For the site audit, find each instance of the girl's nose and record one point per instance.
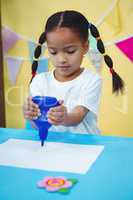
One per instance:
(61, 58)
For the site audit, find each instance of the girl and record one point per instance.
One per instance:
(79, 90)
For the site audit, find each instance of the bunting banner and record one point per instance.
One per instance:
(96, 58)
(92, 42)
(42, 65)
(108, 12)
(94, 55)
(31, 47)
(13, 66)
(9, 38)
(114, 19)
(126, 46)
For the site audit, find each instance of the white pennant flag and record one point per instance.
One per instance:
(13, 66)
(96, 58)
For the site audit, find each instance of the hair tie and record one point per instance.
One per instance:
(98, 38)
(104, 54)
(111, 70)
(35, 59)
(33, 74)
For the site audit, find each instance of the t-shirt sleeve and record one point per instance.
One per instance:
(36, 86)
(90, 94)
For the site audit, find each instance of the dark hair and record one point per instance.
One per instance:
(80, 25)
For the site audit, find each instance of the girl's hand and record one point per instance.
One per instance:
(57, 115)
(30, 109)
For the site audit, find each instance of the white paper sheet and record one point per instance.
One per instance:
(53, 156)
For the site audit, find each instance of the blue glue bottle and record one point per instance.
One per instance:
(44, 103)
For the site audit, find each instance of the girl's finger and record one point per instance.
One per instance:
(55, 118)
(32, 113)
(29, 98)
(61, 102)
(56, 114)
(31, 103)
(60, 108)
(53, 122)
(32, 108)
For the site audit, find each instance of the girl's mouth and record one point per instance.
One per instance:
(63, 67)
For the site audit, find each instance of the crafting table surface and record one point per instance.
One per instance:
(110, 177)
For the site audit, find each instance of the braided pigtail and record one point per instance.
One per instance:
(37, 54)
(118, 84)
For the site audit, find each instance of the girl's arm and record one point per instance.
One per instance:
(60, 116)
(76, 116)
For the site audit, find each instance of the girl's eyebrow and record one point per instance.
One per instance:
(70, 46)
(66, 47)
(52, 48)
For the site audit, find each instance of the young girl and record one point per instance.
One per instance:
(78, 89)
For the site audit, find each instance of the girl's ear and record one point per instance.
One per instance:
(86, 47)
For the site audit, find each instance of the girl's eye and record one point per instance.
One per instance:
(53, 53)
(71, 52)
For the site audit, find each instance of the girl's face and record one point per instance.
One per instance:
(66, 51)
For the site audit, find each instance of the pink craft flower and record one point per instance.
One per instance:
(53, 184)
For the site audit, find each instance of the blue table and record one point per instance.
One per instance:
(110, 178)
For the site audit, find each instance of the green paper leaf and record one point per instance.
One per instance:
(64, 190)
(73, 180)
